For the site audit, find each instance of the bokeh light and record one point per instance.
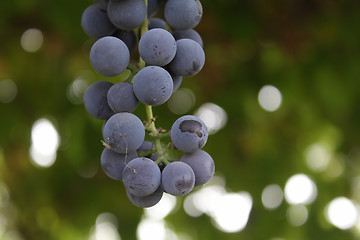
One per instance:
(269, 98)
(297, 215)
(181, 101)
(162, 208)
(105, 228)
(76, 90)
(232, 211)
(8, 90)
(213, 116)
(45, 141)
(300, 189)
(272, 196)
(32, 40)
(342, 213)
(317, 157)
(229, 211)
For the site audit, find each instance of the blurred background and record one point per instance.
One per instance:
(279, 92)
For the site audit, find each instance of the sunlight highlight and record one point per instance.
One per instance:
(181, 101)
(213, 116)
(32, 40)
(300, 189)
(297, 215)
(45, 141)
(269, 98)
(76, 90)
(105, 228)
(272, 196)
(162, 208)
(229, 211)
(342, 213)
(317, 157)
(8, 91)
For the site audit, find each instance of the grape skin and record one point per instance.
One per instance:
(121, 97)
(113, 163)
(189, 133)
(128, 37)
(95, 100)
(156, 23)
(189, 58)
(109, 56)
(153, 85)
(95, 21)
(124, 132)
(178, 178)
(127, 14)
(183, 14)
(141, 177)
(202, 164)
(190, 34)
(157, 47)
(147, 201)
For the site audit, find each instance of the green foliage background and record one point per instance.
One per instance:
(308, 49)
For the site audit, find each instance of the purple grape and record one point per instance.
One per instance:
(109, 56)
(202, 164)
(127, 14)
(95, 100)
(124, 132)
(188, 33)
(147, 201)
(95, 21)
(178, 178)
(141, 177)
(189, 133)
(153, 85)
(121, 97)
(189, 58)
(157, 47)
(183, 14)
(113, 163)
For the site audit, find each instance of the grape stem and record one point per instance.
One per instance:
(149, 114)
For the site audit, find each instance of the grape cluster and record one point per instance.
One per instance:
(168, 51)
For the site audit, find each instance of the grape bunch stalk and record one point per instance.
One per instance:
(168, 51)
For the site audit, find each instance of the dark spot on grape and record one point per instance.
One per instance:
(191, 126)
(196, 66)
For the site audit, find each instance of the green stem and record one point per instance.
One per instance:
(149, 114)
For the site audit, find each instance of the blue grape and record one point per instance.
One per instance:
(113, 163)
(121, 97)
(183, 14)
(109, 56)
(189, 58)
(153, 85)
(202, 164)
(189, 133)
(188, 33)
(156, 23)
(177, 80)
(95, 21)
(124, 132)
(152, 8)
(127, 14)
(147, 201)
(95, 100)
(178, 178)
(141, 177)
(157, 47)
(128, 37)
